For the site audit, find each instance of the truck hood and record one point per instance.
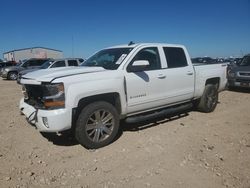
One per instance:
(241, 68)
(28, 71)
(48, 75)
(12, 68)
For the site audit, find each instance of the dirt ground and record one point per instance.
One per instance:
(196, 150)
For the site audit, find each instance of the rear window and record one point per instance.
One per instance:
(175, 57)
(72, 63)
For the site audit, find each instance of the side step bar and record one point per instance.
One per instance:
(159, 113)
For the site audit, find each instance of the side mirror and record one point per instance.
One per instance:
(138, 66)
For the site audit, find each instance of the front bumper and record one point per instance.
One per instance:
(47, 120)
(239, 83)
(4, 74)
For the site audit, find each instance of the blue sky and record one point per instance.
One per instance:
(79, 28)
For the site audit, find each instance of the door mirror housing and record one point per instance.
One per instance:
(138, 66)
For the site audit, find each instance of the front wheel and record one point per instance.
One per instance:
(209, 99)
(12, 76)
(97, 125)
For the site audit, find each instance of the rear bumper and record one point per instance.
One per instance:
(47, 120)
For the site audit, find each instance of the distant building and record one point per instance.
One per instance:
(35, 52)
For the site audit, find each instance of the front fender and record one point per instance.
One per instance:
(78, 91)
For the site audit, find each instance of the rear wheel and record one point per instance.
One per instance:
(209, 99)
(97, 125)
(12, 76)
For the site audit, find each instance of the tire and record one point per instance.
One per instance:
(97, 125)
(209, 99)
(12, 76)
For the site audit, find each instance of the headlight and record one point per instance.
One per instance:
(53, 96)
(230, 73)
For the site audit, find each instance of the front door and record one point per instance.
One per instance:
(145, 88)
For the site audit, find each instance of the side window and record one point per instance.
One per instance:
(30, 63)
(175, 57)
(33, 63)
(58, 64)
(72, 63)
(36, 62)
(81, 60)
(151, 55)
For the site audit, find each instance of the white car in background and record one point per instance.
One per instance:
(53, 63)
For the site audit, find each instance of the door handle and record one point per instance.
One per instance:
(190, 73)
(161, 76)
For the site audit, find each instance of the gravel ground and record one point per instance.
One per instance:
(196, 150)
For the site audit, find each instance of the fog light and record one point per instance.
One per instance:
(45, 122)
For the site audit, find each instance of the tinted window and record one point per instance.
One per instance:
(58, 64)
(35, 62)
(175, 57)
(41, 61)
(72, 63)
(81, 60)
(151, 55)
(9, 64)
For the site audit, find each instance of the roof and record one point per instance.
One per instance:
(145, 44)
(32, 48)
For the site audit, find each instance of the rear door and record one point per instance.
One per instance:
(179, 82)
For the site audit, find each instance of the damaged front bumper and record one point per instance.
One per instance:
(46, 120)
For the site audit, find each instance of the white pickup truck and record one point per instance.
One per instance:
(131, 82)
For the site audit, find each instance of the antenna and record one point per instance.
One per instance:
(131, 43)
(72, 41)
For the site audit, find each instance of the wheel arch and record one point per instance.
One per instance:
(214, 81)
(12, 71)
(112, 98)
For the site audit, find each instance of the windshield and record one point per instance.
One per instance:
(245, 61)
(46, 64)
(109, 58)
(19, 64)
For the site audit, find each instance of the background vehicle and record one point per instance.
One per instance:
(11, 72)
(133, 82)
(52, 64)
(238, 75)
(207, 60)
(6, 64)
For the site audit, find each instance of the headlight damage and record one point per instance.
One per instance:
(45, 96)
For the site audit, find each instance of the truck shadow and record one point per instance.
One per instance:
(147, 124)
(67, 138)
(63, 139)
(139, 126)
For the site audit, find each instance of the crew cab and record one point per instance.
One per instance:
(131, 82)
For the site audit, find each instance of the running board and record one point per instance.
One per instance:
(159, 113)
